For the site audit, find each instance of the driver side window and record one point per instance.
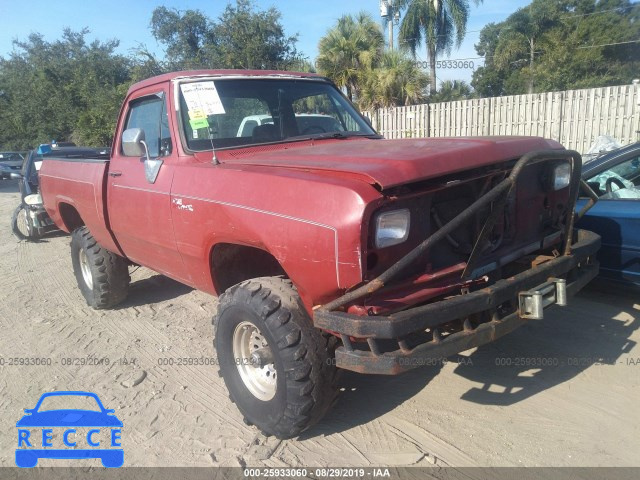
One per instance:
(150, 115)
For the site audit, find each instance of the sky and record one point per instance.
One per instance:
(128, 22)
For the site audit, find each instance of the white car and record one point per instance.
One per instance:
(308, 123)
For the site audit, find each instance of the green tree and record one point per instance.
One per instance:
(187, 36)
(243, 37)
(487, 80)
(250, 39)
(440, 24)
(349, 49)
(302, 65)
(452, 90)
(558, 45)
(395, 81)
(72, 89)
(146, 64)
(65, 90)
(518, 43)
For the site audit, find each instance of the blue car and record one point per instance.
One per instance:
(615, 178)
(35, 434)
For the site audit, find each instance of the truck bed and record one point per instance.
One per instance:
(78, 184)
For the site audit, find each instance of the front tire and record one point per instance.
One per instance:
(295, 384)
(103, 276)
(20, 224)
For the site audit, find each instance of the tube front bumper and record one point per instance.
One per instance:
(578, 268)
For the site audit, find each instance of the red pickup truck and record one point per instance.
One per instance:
(330, 247)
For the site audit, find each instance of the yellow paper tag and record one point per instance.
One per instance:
(196, 114)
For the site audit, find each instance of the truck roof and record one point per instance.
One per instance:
(167, 77)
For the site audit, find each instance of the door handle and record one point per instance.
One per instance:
(115, 174)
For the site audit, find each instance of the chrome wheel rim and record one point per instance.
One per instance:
(261, 381)
(85, 269)
(23, 222)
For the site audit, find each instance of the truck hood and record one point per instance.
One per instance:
(388, 163)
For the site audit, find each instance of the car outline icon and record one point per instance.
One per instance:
(69, 418)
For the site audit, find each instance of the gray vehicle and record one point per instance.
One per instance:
(10, 162)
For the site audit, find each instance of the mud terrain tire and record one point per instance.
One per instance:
(103, 276)
(302, 372)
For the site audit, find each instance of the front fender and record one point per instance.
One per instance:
(311, 225)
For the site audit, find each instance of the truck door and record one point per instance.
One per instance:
(139, 206)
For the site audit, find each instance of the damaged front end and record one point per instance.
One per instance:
(494, 250)
(39, 221)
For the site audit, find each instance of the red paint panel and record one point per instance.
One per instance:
(140, 210)
(167, 77)
(79, 185)
(311, 225)
(390, 163)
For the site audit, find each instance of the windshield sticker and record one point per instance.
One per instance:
(197, 123)
(202, 97)
(198, 119)
(198, 113)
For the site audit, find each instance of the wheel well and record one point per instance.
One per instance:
(70, 217)
(232, 264)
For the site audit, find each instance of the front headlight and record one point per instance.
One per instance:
(561, 176)
(33, 199)
(392, 227)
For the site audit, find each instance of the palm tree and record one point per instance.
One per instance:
(348, 49)
(439, 23)
(451, 91)
(395, 81)
(520, 41)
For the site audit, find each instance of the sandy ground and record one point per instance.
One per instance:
(560, 392)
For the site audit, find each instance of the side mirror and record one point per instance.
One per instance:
(133, 144)
(15, 176)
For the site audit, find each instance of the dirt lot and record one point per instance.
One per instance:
(561, 392)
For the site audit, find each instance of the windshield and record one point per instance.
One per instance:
(231, 113)
(10, 157)
(619, 181)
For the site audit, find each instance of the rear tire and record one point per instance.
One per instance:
(300, 384)
(103, 276)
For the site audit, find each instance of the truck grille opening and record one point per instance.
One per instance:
(457, 246)
(530, 213)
